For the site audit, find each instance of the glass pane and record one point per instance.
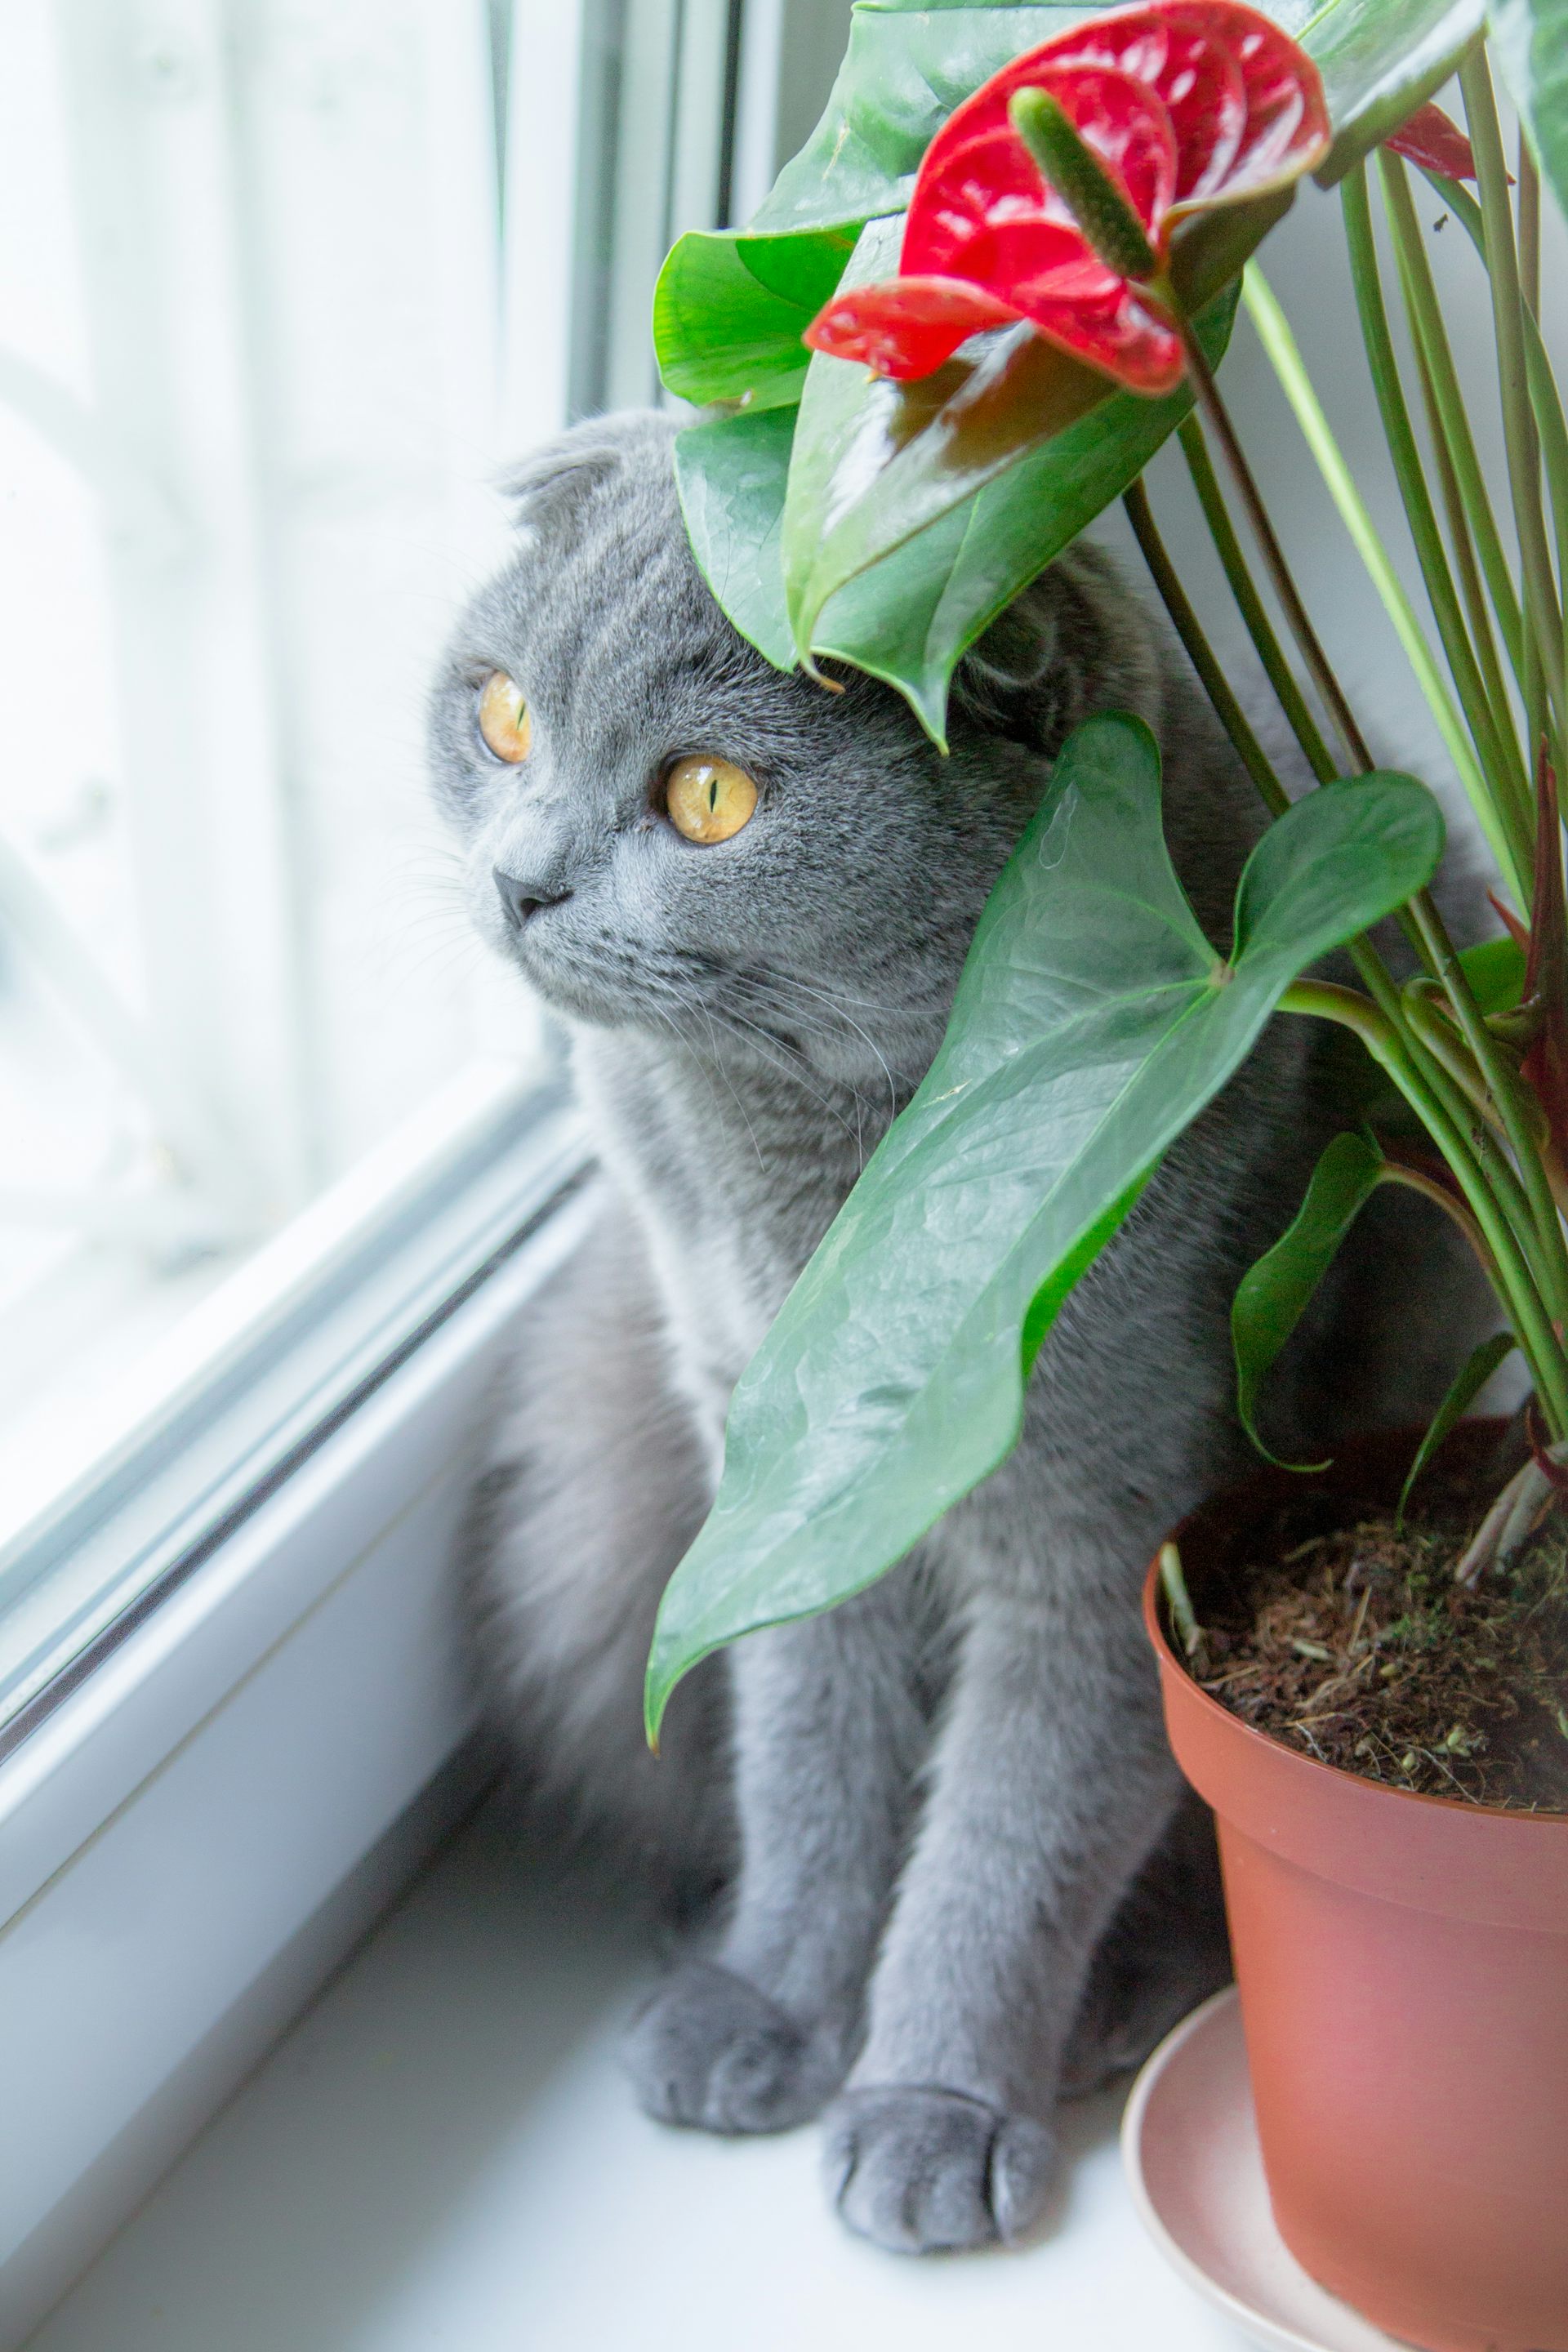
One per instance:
(251, 321)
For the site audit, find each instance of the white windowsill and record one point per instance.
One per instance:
(444, 2154)
(191, 1840)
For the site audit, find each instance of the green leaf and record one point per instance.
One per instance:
(910, 618)
(729, 478)
(729, 313)
(1272, 1295)
(1091, 1025)
(875, 462)
(1471, 1381)
(1381, 59)
(731, 309)
(1529, 41)
(1495, 970)
(903, 73)
(907, 67)
(731, 306)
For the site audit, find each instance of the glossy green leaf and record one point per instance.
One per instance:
(729, 313)
(1495, 970)
(1471, 1381)
(1530, 42)
(937, 591)
(911, 617)
(719, 337)
(903, 73)
(874, 462)
(731, 479)
(1381, 59)
(1092, 1023)
(1272, 1295)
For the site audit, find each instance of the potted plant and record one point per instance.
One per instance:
(1004, 271)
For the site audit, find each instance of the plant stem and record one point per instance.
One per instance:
(1200, 653)
(1529, 1204)
(1178, 1600)
(1424, 1011)
(1543, 616)
(1529, 179)
(1513, 1211)
(1510, 1269)
(1218, 417)
(1546, 402)
(1445, 456)
(1249, 603)
(1432, 338)
(1227, 708)
(1281, 345)
(1498, 755)
(1529, 1191)
(1399, 1171)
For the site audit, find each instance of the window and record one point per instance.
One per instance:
(280, 288)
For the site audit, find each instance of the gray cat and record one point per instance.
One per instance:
(958, 1876)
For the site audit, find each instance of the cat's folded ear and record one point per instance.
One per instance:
(552, 485)
(546, 488)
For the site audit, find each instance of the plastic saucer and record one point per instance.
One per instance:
(1189, 2141)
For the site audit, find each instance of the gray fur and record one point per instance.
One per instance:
(961, 1876)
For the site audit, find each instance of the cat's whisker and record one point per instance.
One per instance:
(792, 1067)
(783, 980)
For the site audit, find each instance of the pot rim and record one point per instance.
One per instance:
(1232, 1725)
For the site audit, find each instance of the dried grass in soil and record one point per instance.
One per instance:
(1357, 1647)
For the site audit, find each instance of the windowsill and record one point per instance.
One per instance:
(87, 1512)
(444, 2152)
(193, 1835)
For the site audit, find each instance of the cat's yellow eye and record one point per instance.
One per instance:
(503, 718)
(708, 798)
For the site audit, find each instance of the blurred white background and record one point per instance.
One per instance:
(249, 407)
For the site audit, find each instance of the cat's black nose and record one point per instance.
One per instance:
(518, 901)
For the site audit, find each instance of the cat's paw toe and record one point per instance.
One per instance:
(712, 2051)
(922, 2171)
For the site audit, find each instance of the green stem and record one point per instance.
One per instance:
(1249, 603)
(1490, 1184)
(1528, 1205)
(1273, 554)
(1542, 612)
(1529, 180)
(1396, 1171)
(1432, 337)
(1479, 617)
(1281, 348)
(1507, 781)
(1545, 400)
(1465, 563)
(1516, 1287)
(1200, 653)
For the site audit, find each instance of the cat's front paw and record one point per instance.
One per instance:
(925, 2171)
(712, 2051)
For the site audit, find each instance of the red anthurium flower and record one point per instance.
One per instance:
(1429, 139)
(1185, 105)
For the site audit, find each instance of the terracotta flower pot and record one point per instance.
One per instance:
(1402, 1966)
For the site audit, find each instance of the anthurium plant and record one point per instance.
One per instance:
(1003, 272)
